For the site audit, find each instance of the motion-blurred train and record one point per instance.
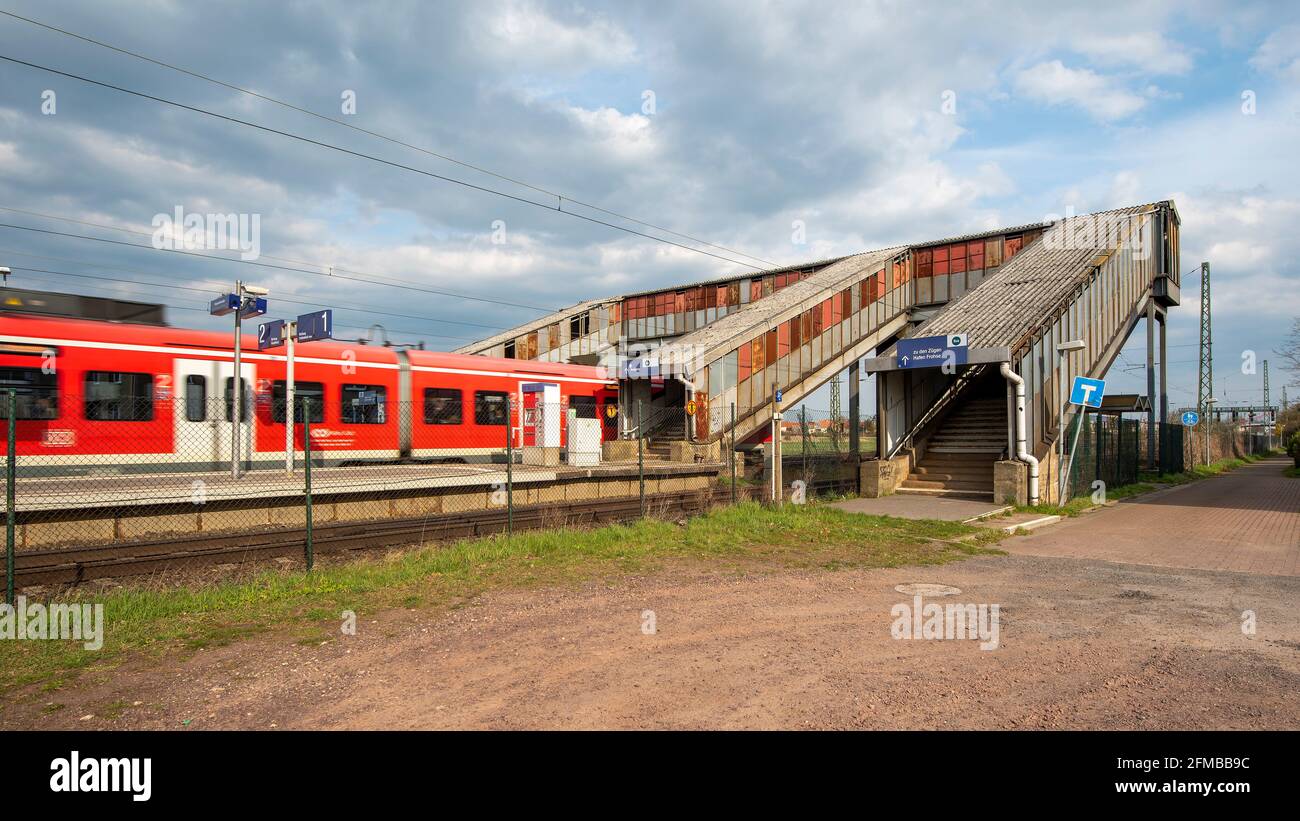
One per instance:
(119, 396)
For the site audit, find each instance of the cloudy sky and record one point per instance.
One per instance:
(873, 124)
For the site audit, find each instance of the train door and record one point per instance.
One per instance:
(541, 414)
(204, 411)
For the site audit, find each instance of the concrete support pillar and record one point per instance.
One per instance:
(855, 420)
(881, 420)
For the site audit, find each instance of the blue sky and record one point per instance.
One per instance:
(764, 114)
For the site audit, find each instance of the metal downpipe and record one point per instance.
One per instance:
(1022, 452)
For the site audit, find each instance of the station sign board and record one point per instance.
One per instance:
(932, 351)
(224, 304)
(253, 306)
(315, 326)
(271, 334)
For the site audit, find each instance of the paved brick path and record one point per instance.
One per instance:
(1247, 520)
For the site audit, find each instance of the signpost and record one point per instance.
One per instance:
(1086, 393)
(306, 328)
(932, 351)
(1190, 418)
(245, 301)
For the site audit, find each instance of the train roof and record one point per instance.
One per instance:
(87, 330)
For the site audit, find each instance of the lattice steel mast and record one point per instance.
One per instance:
(1206, 388)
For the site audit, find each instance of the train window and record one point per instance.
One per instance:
(196, 398)
(245, 398)
(364, 404)
(490, 408)
(118, 397)
(584, 406)
(442, 406)
(313, 392)
(36, 392)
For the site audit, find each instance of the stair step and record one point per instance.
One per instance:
(948, 485)
(965, 449)
(976, 495)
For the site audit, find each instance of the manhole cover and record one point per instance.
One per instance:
(927, 589)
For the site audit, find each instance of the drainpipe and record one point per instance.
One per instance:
(1022, 454)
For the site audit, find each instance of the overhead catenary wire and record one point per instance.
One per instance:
(351, 306)
(383, 279)
(370, 157)
(209, 291)
(560, 198)
(325, 274)
(361, 327)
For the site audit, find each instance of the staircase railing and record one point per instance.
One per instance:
(945, 399)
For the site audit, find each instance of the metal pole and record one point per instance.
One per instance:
(306, 469)
(292, 330)
(1060, 427)
(640, 454)
(1074, 447)
(510, 474)
(10, 480)
(731, 455)
(776, 447)
(803, 436)
(236, 409)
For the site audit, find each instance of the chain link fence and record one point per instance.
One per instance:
(132, 475)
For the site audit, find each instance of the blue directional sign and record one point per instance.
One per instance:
(316, 325)
(1087, 392)
(778, 396)
(224, 304)
(253, 306)
(932, 351)
(271, 334)
(1191, 418)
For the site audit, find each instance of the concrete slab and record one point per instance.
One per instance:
(921, 507)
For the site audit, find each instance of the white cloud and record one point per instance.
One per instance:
(1056, 84)
(524, 33)
(1280, 53)
(1148, 51)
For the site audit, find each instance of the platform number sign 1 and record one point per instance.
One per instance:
(316, 325)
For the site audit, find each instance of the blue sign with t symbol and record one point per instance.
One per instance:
(1087, 392)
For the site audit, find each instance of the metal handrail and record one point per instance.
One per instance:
(946, 399)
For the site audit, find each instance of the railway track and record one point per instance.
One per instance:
(74, 565)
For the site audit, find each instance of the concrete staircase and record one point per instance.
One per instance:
(959, 456)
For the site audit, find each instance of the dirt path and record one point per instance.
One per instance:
(1083, 644)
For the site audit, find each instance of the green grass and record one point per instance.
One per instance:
(1293, 472)
(159, 624)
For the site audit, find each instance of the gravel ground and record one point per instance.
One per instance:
(1083, 644)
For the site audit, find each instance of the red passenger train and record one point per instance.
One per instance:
(94, 394)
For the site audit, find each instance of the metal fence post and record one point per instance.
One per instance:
(803, 438)
(306, 452)
(10, 478)
(510, 476)
(640, 454)
(731, 454)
